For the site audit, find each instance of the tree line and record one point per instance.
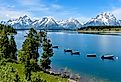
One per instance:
(101, 28)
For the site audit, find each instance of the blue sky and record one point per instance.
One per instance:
(83, 10)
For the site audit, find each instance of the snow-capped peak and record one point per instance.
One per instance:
(70, 23)
(21, 22)
(49, 20)
(25, 17)
(46, 22)
(103, 19)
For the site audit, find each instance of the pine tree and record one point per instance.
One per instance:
(28, 55)
(47, 53)
(30, 45)
(27, 69)
(13, 48)
(4, 45)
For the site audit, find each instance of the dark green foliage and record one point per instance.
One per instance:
(7, 54)
(7, 29)
(7, 47)
(36, 78)
(47, 53)
(8, 73)
(4, 46)
(43, 33)
(27, 70)
(13, 48)
(30, 46)
(28, 55)
(4, 61)
(47, 48)
(101, 28)
(17, 78)
(34, 65)
(45, 63)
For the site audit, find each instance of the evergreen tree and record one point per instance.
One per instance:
(30, 45)
(27, 69)
(47, 53)
(8, 29)
(7, 49)
(4, 45)
(28, 55)
(13, 48)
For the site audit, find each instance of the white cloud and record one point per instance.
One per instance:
(11, 6)
(28, 2)
(38, 5)
(37, 9)
(56, 6)
(7, 13)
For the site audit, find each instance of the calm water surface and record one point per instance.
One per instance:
(105, 70)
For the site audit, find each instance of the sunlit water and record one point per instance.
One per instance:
(104, 70)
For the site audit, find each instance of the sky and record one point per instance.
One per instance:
(82, 10)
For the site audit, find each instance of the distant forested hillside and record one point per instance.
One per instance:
(101, 28)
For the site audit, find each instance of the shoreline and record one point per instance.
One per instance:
(116, 33)
(77, 77)
(64, 73)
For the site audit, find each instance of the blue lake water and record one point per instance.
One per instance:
(93, 68)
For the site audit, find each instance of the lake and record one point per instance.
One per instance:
(94, 69)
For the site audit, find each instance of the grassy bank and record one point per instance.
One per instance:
(44, 76)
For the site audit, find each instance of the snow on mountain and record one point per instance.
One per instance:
(120, 22)
(70, 24)
(20, 23)
(104, 19)
(46, 23)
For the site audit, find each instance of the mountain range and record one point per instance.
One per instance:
(25, 22)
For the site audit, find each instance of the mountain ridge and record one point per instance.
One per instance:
(25, 22)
